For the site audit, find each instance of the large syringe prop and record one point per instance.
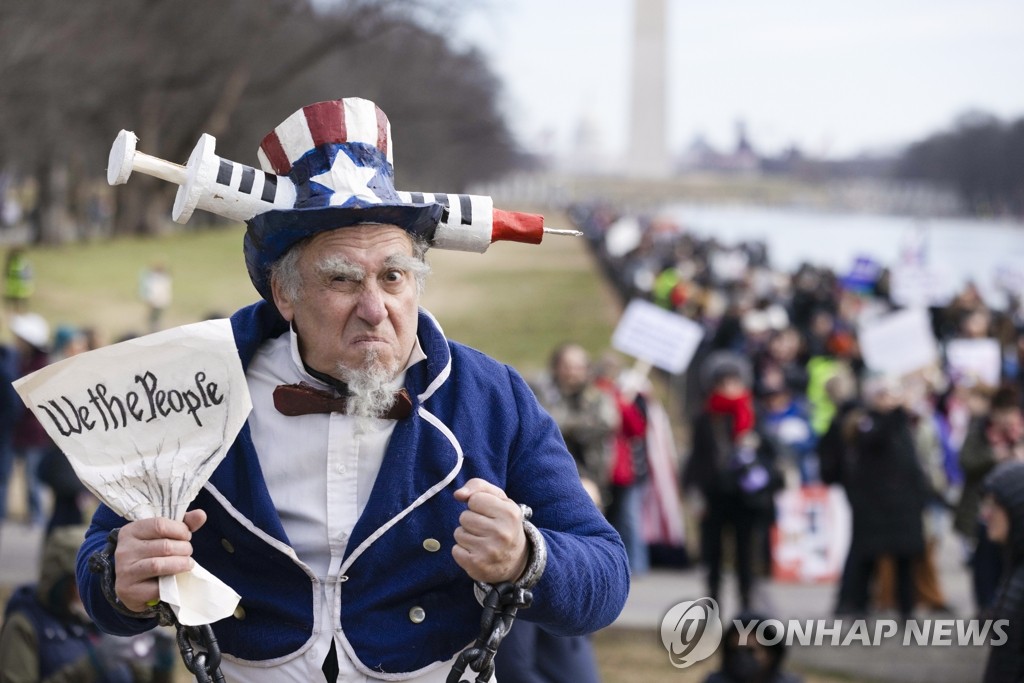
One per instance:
(239, 192)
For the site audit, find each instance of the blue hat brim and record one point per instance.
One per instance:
(270, 235)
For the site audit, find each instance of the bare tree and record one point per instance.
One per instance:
(72, 75)
(982, 158)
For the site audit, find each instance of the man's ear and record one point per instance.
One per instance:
(283, 303)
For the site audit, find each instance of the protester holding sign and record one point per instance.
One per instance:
(381, 471)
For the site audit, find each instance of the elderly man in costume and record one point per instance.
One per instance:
(382, 470)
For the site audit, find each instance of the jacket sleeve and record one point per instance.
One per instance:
(586, 581)
(976, 457)
(90, 585)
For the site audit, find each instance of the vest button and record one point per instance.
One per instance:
(226, 544)
(417, 615)
(239, 613)
(431, 545)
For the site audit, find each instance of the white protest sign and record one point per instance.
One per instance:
(974, 360)
(623, 236)
(1010, 278)
(144, 423)
(898, 343)
(729, 265)
(914, 285)
(664, 339)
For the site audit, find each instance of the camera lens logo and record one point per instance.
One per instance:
(691, 632)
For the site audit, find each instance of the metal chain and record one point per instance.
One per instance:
(500, 603)
(204, 664)
(500, 607)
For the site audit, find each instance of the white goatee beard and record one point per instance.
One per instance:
(369, 395)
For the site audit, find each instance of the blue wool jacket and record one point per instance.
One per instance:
(473, 417)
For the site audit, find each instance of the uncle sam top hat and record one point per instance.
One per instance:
(329, 165)
(339, 156)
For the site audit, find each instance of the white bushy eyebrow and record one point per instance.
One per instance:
(331, 267)
(407, 264)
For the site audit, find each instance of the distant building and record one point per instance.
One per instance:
(701, 156)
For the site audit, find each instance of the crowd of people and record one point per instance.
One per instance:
(779, 396)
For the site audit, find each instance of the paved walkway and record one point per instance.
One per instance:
(653, 594)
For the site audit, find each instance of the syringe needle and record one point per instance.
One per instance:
(563, 233)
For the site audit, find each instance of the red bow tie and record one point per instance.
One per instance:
(302, 399)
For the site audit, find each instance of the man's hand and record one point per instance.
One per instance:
(490, 543)
(148, 549)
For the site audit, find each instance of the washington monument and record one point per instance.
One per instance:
(647, 154)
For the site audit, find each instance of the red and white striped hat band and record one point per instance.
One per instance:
(352, 119)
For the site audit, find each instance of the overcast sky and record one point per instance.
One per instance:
(834, 76)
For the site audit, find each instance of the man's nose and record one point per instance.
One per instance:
(371, 306)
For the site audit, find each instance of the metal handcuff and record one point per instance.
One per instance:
(501, 602)
(204, 664)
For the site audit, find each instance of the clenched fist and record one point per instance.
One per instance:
(490, 543)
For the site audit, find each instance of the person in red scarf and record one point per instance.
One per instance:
(732, 468)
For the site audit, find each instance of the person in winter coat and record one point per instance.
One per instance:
(1003, 511)
(887, 492)
(586, 416)
(48, 638)
(734, 470)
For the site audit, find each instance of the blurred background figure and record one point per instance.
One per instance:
(1003, 512)
(586, 416)
(733, 469)
(629, 468)
(29, 440)
(928, 590)
(752, 662)
(48, 638)
(155, 290)
(993, 437)
(11, 408)
(887, 493)
(785, 420)
(19, 282)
